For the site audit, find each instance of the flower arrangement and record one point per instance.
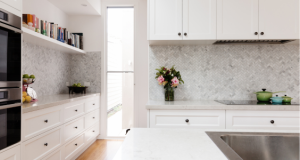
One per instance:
(169, 78)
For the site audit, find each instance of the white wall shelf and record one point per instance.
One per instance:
(39, 39)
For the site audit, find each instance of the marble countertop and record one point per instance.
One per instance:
(173, 144)
(54, 100)
(213, 105)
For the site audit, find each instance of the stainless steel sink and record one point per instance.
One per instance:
(257, 146)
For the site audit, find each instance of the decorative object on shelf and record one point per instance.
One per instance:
(170, 79)
(77, 88)
(29, 95)
(264, 95)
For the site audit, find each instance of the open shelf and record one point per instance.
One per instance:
(39, 39)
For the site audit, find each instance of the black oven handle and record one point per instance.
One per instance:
(11, 28)
(11, 106)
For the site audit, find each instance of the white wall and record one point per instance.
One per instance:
(45, 10)
(91, 27)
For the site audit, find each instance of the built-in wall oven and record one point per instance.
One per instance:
(10, 79)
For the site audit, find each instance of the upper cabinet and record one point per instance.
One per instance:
(17, 4)
(237, 19)
(257, 19)
(278, 19)
(165, 19)
(199, 19)
(182, 19)
(222, 20)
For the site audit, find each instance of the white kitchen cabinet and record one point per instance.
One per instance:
(165, 19)
(208, 119)
(199, 19)
(11, 154)
(237, 19)
(17, 4)
(278, 19)
(237, 119)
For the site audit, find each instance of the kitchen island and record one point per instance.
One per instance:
(174, 144)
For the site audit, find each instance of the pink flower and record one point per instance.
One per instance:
(160, 80)
(175, 82)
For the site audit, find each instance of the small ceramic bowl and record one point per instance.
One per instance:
(276, 99)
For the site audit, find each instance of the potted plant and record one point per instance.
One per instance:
(170, 79)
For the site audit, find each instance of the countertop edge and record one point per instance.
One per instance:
(56, 103)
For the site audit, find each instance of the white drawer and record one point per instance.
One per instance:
(91, 118)
(73, 128)
(187, 119)
(91, 133)
(236, 119)
(11, 154)
(43, 144)
(73, 111)
(35, 123)
(91, 104)
(54, 156)
(71, 148)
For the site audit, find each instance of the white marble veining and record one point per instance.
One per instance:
(173, 144)
(227, 72)
(54, 100)
(213, 105)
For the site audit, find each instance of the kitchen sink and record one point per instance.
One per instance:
(257, 146)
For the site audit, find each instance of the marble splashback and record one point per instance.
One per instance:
(53, 69)
(87, 68)
(227, 72)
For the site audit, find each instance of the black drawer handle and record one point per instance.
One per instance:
(46, 144)
(76, 110)
(46, 121)
(272, 121)
(187, 120)
(93, 131)
(93, 103)
(76, 127)
(93, 117)
(76, 144)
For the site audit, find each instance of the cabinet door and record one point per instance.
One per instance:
(237, 19)
(165, 20)
(278, 19)
(199, 19)
(11, 154)
(17, 4)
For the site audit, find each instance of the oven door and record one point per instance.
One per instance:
(10, 125)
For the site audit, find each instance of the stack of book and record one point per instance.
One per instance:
(52, 30)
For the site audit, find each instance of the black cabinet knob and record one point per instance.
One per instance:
(262, 33)
(185, 34)
(93, 117)
(76, 110)
(93, 131)
(45, 144)
(75, 144)
(46, 121)
(76, 127)
(272, 121)
(93, 103)
(256, 33)
(187, 120)
(179, 34)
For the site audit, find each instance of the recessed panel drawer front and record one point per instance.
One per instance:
(262, 119)
(54, 156)
(37, 147)
(92, 133)
(91, 118)
(187, 118)
(91, 104)
(40, 122)
(72, 147)
(73, 128)
(73, 111)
